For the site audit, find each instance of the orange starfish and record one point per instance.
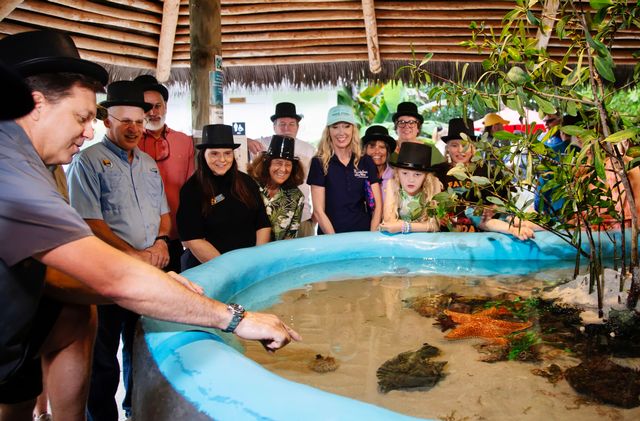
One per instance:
(482, 325)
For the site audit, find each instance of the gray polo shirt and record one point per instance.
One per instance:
(128, 197)
(34, 217)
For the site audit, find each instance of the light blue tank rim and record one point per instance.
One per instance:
(203, 366)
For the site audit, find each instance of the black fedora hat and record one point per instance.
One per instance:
(415, 156)
(407, 108)
(282, 147)
(217, 136)
(456, 127)
(377, 132)
(125, 92)
(36, 52)
(286, 109)
(18, 95)
(150, 83)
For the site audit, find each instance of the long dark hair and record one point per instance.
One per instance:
(206, 180)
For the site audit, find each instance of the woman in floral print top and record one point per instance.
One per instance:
(279, 173)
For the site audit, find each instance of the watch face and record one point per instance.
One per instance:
(238, 314)
(236, 308)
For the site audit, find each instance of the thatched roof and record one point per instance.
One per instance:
(307, 42)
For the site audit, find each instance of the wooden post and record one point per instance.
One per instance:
(371, 28)
(206, 44)
(7, 7)
(167, 37)
(548, 20)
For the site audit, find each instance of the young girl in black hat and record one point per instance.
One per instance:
(409, 194)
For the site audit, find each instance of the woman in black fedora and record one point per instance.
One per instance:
(220, 208)
(278, 172)
(409, 206)
(377, 143)
(460, 148)
(407, 122)
(474, 213)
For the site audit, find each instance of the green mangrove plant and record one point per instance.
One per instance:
(588, 183)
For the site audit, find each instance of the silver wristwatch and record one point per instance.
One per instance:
(238, 314)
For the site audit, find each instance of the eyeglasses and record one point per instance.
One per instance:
(128, 122)
(405, 123)
(283, 125)
(160, 149)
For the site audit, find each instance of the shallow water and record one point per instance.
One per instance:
(364, 322)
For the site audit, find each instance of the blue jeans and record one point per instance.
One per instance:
(113, 322)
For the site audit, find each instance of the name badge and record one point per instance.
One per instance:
(219, 198)
(361, 173)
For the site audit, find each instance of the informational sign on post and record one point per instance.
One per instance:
(216, 99)
(242, 153)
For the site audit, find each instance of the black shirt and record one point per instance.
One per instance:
(230, 225)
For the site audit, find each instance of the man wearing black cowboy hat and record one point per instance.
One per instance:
(286, 122)
(407, 122)
(173, 152)
(45, 127)
(118, 191)
(39, 228)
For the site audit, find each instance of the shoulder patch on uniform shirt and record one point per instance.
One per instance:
(107, 163)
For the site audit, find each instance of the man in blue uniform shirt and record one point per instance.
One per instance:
(118, 191)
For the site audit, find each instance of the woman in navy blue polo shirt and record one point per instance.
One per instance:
(338, 178)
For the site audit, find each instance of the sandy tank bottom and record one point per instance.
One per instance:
(365, 322)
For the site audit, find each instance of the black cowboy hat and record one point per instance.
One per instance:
(36, 52)
(407, 108)
(150, 83)
(377, 132)
(415, 156)
(286, 109)
(282, 147)
(125, 92)
(217, 136)
(19, 101)
(457, 126)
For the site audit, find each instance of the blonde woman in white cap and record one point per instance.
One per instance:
(345, 188)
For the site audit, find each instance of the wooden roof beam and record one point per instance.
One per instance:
(116, 60)
(145, 5)
(309, 16)
(548, 20)
(371, 29)
(72, 14)
(7, 7)
(73, 27)
(114, 12)
(285, 8)
(167, 38)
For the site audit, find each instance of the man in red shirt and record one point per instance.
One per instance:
(173, 152)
